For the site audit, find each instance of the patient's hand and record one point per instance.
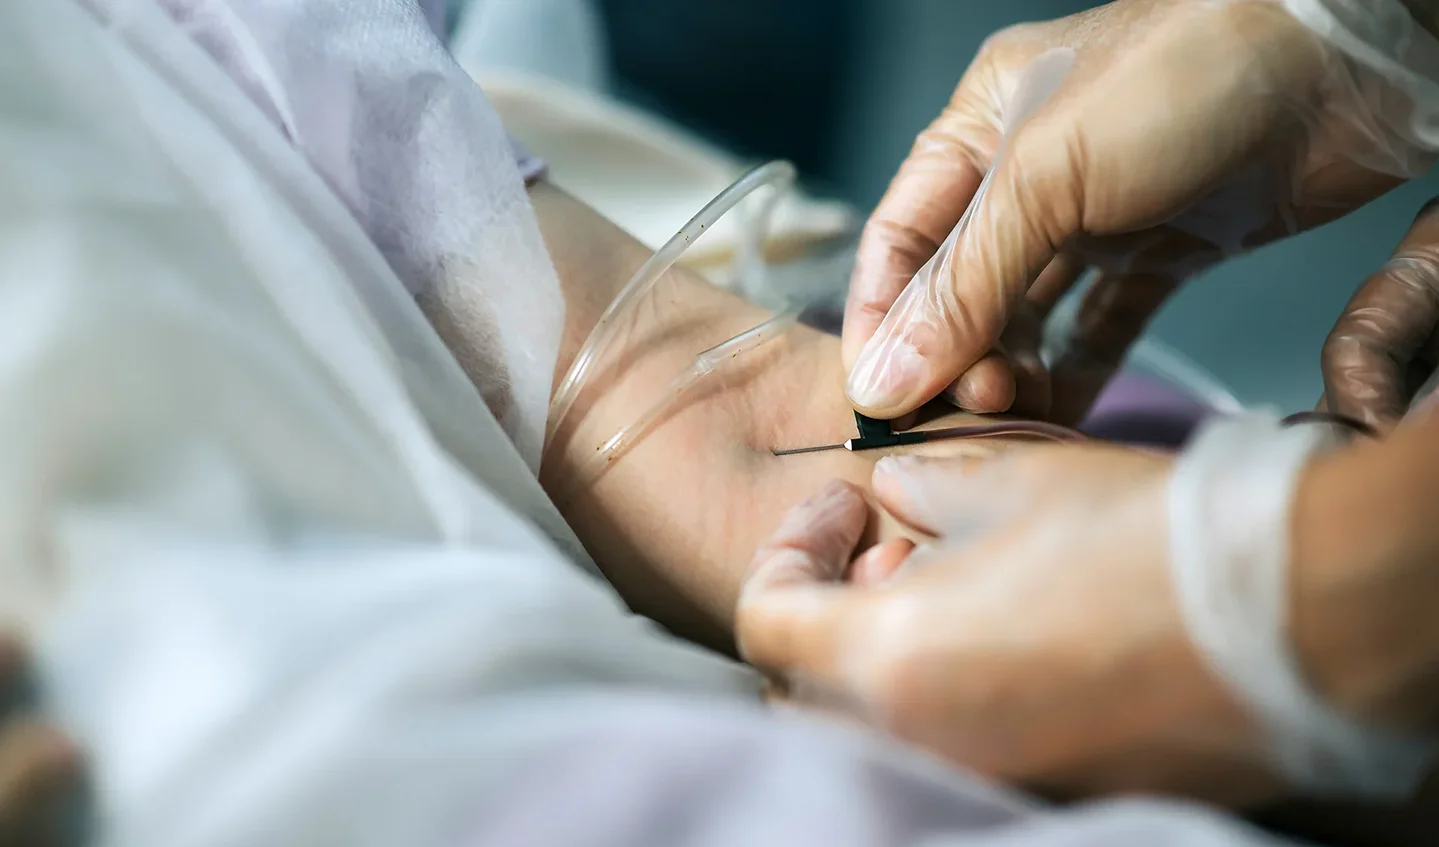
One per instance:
(674, 523)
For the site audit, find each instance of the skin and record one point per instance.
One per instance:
(675, 522)
(682, 558)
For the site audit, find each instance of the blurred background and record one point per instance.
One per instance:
(841, 88)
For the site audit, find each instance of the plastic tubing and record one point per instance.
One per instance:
(780, 176)
(699, 371)
(1034, 429)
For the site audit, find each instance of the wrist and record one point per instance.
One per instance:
(661, 335)
(1365, 591)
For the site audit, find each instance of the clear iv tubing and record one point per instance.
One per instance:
(778, 175)
(697, 373)
(1034, 429)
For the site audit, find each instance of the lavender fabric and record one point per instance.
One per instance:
(1138, 409)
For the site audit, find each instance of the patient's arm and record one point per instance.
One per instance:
(674, 522)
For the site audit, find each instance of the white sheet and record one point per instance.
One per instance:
(365, 91)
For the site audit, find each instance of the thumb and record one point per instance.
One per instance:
(1387, 330)
(956, 498)
(954, 309)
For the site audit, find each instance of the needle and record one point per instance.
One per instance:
(874, 434)
(807, 449)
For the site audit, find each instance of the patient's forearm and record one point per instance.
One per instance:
(594, 259)
(674, 522)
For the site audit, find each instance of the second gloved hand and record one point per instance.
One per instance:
(1040, 644)
(1385, 345)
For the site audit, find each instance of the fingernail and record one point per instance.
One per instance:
(886, 374)
(897, 465)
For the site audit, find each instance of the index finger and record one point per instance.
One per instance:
(1388, 322)
(922, 205)
(793, 608)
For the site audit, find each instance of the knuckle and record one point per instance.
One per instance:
(1046, 180)
(1416, 272)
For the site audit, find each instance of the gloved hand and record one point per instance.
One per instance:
(1182, 133)
(1385, 345)
(1097, 620)
(1049, 652)
(39, 769)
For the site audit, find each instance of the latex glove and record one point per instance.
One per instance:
(1384, 347)
(1182, 133)
(39, 768)
(1049, 652)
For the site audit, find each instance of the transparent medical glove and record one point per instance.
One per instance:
(1084, 620)
(1380, 357)
(1180, 133)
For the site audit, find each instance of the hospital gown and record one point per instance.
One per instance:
(291, 579)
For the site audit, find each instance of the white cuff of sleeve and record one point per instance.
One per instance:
(1229, 531)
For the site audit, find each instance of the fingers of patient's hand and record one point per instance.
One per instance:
(951, 497)
(814, 542)
(790, 610)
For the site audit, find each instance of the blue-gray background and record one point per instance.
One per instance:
(842, 87)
